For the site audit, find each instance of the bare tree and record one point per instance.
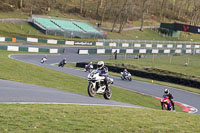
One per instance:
(163, 5)
(104, 11)
(195, 11)
(144, 9)
(98, 6)
(81, 6)
(21, 4)
(118, 15)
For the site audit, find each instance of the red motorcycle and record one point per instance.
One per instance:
(166, 103)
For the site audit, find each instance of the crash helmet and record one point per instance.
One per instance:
(166, 91)
(125, 70)
(100, 64)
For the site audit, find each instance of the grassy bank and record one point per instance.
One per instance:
(25, 29)
(32, 74)
(76, 118)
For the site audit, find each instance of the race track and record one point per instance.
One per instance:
(137, 86)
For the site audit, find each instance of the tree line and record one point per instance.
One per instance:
(119, 11)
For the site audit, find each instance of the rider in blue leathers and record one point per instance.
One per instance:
(103, 71)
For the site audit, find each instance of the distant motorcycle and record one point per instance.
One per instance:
(166, 103)
(97, 85)
(43, 60)
(62, 63)
(88, 68)
(126, 76)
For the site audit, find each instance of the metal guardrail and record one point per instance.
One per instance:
(147, 41)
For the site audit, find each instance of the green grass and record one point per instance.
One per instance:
(76, 118)
(32, 74)
(16, 14)
(149, 34)
(25, 29)
(177, 64)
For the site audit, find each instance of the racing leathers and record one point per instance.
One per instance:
(170, 98)
(104, 72)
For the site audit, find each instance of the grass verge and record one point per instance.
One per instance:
(32, 74)
(76, 118)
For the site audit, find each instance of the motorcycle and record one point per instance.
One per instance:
(126, 77)
(88, 68)
(166, 103)
(62, 63)
(43, 60)
(97, 85)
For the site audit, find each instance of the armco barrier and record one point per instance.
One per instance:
(31, 49)
(140, 51)
(153, 76)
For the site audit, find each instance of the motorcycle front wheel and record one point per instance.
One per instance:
(91, 90)
(108, 94)
(130, 79)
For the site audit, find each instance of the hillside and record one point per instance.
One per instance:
(112, 14)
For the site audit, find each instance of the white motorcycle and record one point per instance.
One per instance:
(126, 77)
(97, 85)
(43, 60)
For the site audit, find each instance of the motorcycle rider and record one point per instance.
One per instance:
(44, 59)
(62, 63)
(125, 73)
(90, 66)
(103, 71)
(168, 94)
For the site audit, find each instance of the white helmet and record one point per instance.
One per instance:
(100, 64)
(166, 91)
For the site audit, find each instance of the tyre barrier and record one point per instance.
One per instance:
(153, 76)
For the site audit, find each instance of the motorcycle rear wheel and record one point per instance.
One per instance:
(91, 90)
(108, 94)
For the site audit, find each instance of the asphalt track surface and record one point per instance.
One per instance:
(47, 96)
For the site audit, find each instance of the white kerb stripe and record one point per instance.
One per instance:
(154, 51)
(29, 39)
(100, 51)
(13, 48)
(149, 45)
(69, 42)
(52, 41)
(179, 46)
(137, 45)
(178, 51)
(113, 50)
(197, 46)
(188, 51)
(2, 39)
(53, 51)
(198, 51)
(125, 44)
(159, 45)
(142, 51)
(188, 46)
(112, 44)
(129, 51)
(169, 46)
(99, 43)
(31, 49)
(167, 51)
